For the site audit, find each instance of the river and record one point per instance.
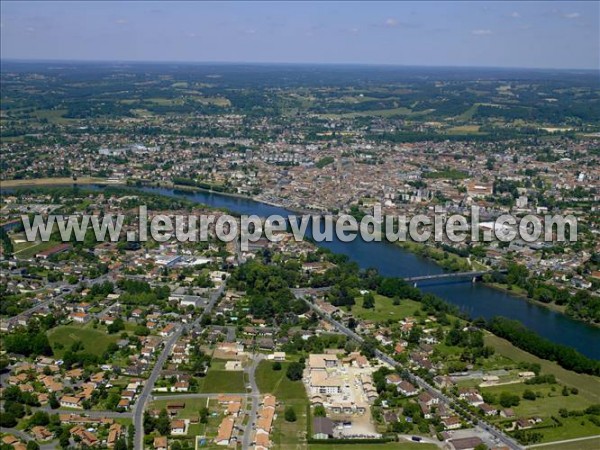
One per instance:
(476, 299)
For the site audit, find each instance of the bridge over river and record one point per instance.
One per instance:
(473, 275)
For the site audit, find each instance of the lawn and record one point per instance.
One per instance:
(589, 386)
(223, 381)
(192, 406)
(94, 341)
(191, 411)
(385, 310)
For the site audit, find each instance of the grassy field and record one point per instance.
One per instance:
(593, 443)
(275, 382)
(545, 405)
(285, 435)
(94, 341)
(572, 428)
(386, 446)
(50, 181)
(28, 250)
(384, 309)
(448, 174)
(54, 116)
(588, 385)
(223, 381)
(464, 129)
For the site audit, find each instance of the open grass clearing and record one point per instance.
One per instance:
(275, 382)
(385, 309)
(94, 341)
(223, 381)
(547, 404)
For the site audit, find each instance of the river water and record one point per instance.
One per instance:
(476, 299)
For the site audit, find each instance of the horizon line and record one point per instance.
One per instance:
(286, 63)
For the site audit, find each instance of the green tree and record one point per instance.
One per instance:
(32, 445)
(120, 444)
(294, 371)
(163, 424)
(290, 414)
(319, 411)
(369, 301)
(204, 414)
(7, 420)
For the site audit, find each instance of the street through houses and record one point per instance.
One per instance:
(481, 424)
(140, 405)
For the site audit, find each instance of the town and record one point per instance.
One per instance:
(136, 344)
(202, 345)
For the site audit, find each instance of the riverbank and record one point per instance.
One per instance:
(184, 187)
(516, 291)
(473, 299)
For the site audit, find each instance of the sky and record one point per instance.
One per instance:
(498, 34)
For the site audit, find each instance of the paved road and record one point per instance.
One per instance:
(251, 371)
(140, 405)
(495, 432)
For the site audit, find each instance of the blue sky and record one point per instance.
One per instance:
(500, 34)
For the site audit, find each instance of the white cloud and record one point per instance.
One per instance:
(481, 32)
(121, 21)
(573, 15)
(391, 22)
(515, 15)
